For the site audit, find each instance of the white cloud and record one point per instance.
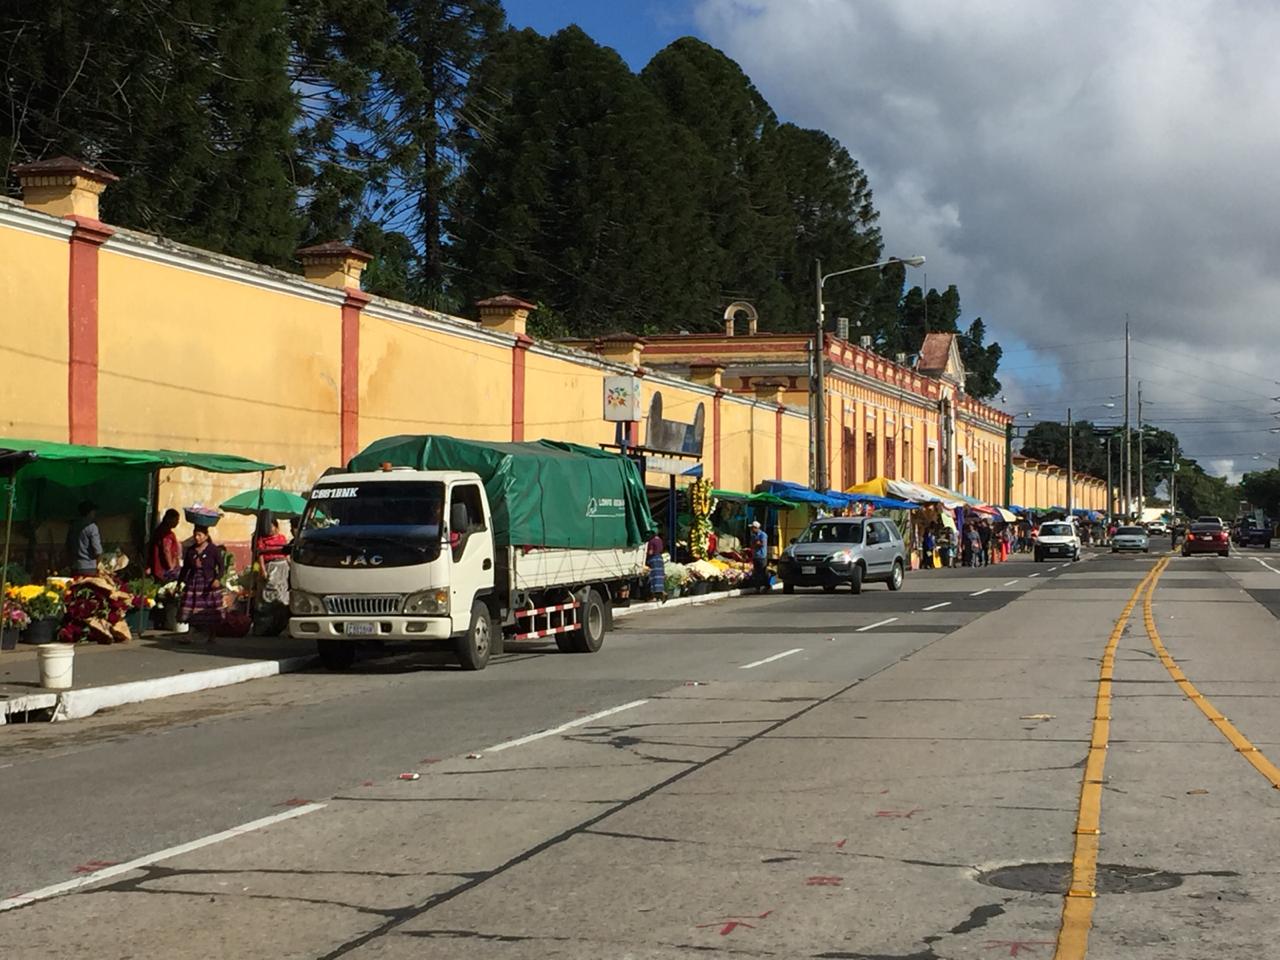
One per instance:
(1064, 163)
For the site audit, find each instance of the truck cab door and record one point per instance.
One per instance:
(469, 544)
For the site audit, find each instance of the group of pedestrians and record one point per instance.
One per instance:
(980, 544)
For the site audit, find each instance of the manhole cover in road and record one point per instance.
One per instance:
(1056, 878)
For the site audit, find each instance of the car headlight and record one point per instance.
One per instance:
(427, 602)
(844, 556)
(305, 604)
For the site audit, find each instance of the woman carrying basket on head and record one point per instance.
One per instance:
(201, 582)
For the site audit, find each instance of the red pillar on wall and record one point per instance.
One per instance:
(354, 302)
(519, 351)
(82, 328)
(778, 445)
(715, 438)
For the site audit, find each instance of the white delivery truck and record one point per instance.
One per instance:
(446, 540)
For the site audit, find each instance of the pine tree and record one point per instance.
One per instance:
(188, 102)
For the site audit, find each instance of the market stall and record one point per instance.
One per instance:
(45, 492)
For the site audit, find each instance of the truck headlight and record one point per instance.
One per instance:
(427, 602)
(305, 604)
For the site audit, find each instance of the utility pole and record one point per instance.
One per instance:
(1126, 454)
(1111, 500)
(819, 389)
(1071, 467)
(1142, 490)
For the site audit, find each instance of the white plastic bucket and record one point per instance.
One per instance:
(56, 663)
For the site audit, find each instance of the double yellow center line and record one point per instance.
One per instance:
(1077, 905)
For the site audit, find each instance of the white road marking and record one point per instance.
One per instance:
(1010, 583)
(106, 873)
(1265, 564)
(1051, 569)
(1033, 575)
(938, 606)
(980, 592)
(521, 741)
(872, 626)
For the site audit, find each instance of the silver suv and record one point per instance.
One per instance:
(852, 550)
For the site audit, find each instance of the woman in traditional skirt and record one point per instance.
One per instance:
(201, 583)
(657, 568)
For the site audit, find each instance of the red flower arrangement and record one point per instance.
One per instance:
(96, 609)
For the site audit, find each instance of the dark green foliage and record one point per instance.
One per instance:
(1262, 490)
(189, 102)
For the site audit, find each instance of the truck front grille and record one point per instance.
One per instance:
(363, 605)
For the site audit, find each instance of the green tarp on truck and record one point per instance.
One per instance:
(542, 494)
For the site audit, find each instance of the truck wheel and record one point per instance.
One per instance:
(855, 583)
(336, 654)
(475, 645)
(590, 637)
(567, 642)
(895, 578)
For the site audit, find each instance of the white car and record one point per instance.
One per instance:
(1057, 538)
(1131, 538)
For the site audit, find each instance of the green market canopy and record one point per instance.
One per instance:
(542, 493)
(280, 502)
(118, 480)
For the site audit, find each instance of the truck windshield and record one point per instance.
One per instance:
(384, 503)
(383, 523)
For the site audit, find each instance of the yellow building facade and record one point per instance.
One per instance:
(113, 337)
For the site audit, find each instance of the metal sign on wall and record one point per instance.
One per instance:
(672, 436)
(622, 399)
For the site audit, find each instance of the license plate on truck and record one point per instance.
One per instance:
(360, 629)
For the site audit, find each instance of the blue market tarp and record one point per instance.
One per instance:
(833, 499)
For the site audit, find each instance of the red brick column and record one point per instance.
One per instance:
(715, 437)
(82, 328)
(350, 393)
(519, 353)
(778, 446)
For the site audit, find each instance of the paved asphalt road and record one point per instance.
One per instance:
(805, 776)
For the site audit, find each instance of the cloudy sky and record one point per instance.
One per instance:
(1063, 163)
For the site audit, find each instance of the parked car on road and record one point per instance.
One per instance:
(852, 550)
(1157, 529)
(1057, 539)
(1206, 538)
(1131, 538)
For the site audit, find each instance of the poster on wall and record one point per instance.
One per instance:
(622, 400)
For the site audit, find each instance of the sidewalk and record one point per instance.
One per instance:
(155, 666)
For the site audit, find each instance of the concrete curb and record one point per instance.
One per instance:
(678, 602)
(77, 704)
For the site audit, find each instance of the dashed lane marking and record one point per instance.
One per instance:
(106, 873)
(980, 592)
(872, 626)
(1010, 583)
(521, 741)
(776, 656)
(939, 606)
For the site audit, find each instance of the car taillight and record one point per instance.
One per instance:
(1191, 536)
(1222, 536)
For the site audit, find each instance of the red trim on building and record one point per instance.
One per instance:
(778, 445)
(350, 394)
(715, 437)
(82, 329)
(519, 353)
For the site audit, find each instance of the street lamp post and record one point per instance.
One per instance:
(820, 374)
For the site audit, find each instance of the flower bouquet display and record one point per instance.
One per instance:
(142, 600)
(44, 607)
(702, 505)
(13, 619)
(96, 610)
(677, 576)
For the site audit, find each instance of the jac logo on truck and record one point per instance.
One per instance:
(361, 560)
